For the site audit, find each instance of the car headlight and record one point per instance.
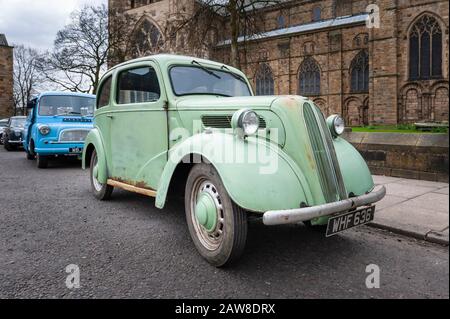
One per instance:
(245, 122)
(44, 129)
(336, 125)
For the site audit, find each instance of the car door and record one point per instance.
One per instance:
(103, 115)
(139, 137)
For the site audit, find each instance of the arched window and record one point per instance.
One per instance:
(309, 77)
(281, 21)
(359, 70)
(425, 49)
(147, 39)
(317, 14)
(264, 80)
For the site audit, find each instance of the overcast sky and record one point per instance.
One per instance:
(35, 22)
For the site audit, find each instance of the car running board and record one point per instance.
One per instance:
(132, 188)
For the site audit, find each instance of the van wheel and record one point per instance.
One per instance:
(101, 191)
(30, 153)
(217, 225)
(30, 156)
(42, 161)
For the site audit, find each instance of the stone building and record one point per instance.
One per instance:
(6, 78)
(387, 73)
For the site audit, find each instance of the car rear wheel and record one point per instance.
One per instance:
(8, 146)
(101, 191)
(41, 161)
(216, 224)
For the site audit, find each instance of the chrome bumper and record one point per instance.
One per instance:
(292, 216)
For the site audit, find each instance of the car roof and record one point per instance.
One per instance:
(165, 59)
(60, 93)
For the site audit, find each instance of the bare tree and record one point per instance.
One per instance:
(26, 77)
(80, 51)
(237, 16)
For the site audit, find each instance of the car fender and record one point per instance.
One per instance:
(355, 172)
(258, 184)
(94, 139)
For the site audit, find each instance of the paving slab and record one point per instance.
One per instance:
(414, 208)
(421, 183)
(388, 201)
(431, 201)
(442, 191)
(382, 180)
(407, 190)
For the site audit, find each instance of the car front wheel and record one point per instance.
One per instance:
(41, 161)
(101, 191)
(216, 224)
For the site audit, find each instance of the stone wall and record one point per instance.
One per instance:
(416, 156)
(6, 81)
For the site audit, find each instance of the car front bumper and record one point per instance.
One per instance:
(14, 142)
(292, 216)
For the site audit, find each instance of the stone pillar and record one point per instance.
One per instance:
(383, 86)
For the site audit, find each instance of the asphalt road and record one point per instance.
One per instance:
(126, 248)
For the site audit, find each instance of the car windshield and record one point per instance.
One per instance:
(18, 122)
(66, 105)
(189, 80)
(3, 123)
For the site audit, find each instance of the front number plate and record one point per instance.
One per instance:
(345, 221)
(76, 150)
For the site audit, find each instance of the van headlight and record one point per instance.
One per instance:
(44, 129)
(336, 124)
(245, 122)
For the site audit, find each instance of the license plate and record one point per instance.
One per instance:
(349, 220)
(76, 150)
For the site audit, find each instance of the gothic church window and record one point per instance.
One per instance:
(147, 40)
(264, 81)
(359, 70)
(309, 77)
(425, 49)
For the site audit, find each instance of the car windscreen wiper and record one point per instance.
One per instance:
(238, 77)
(204, 68)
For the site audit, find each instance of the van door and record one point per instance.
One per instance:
(139, 137)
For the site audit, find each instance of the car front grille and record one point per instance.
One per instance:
(224, 121)
(73, 135)
(324, 154)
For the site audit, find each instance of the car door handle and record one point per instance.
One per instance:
(110, 116)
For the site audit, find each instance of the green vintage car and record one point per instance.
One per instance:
(182, 125)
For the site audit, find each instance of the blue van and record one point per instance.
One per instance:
(57, 125)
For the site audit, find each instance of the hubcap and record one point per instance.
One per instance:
(207, 214)
(206, 211)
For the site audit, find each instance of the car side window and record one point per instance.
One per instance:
(104, 93)
(139, 85)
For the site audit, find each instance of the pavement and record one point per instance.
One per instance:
(126, 248)
(415, 208)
